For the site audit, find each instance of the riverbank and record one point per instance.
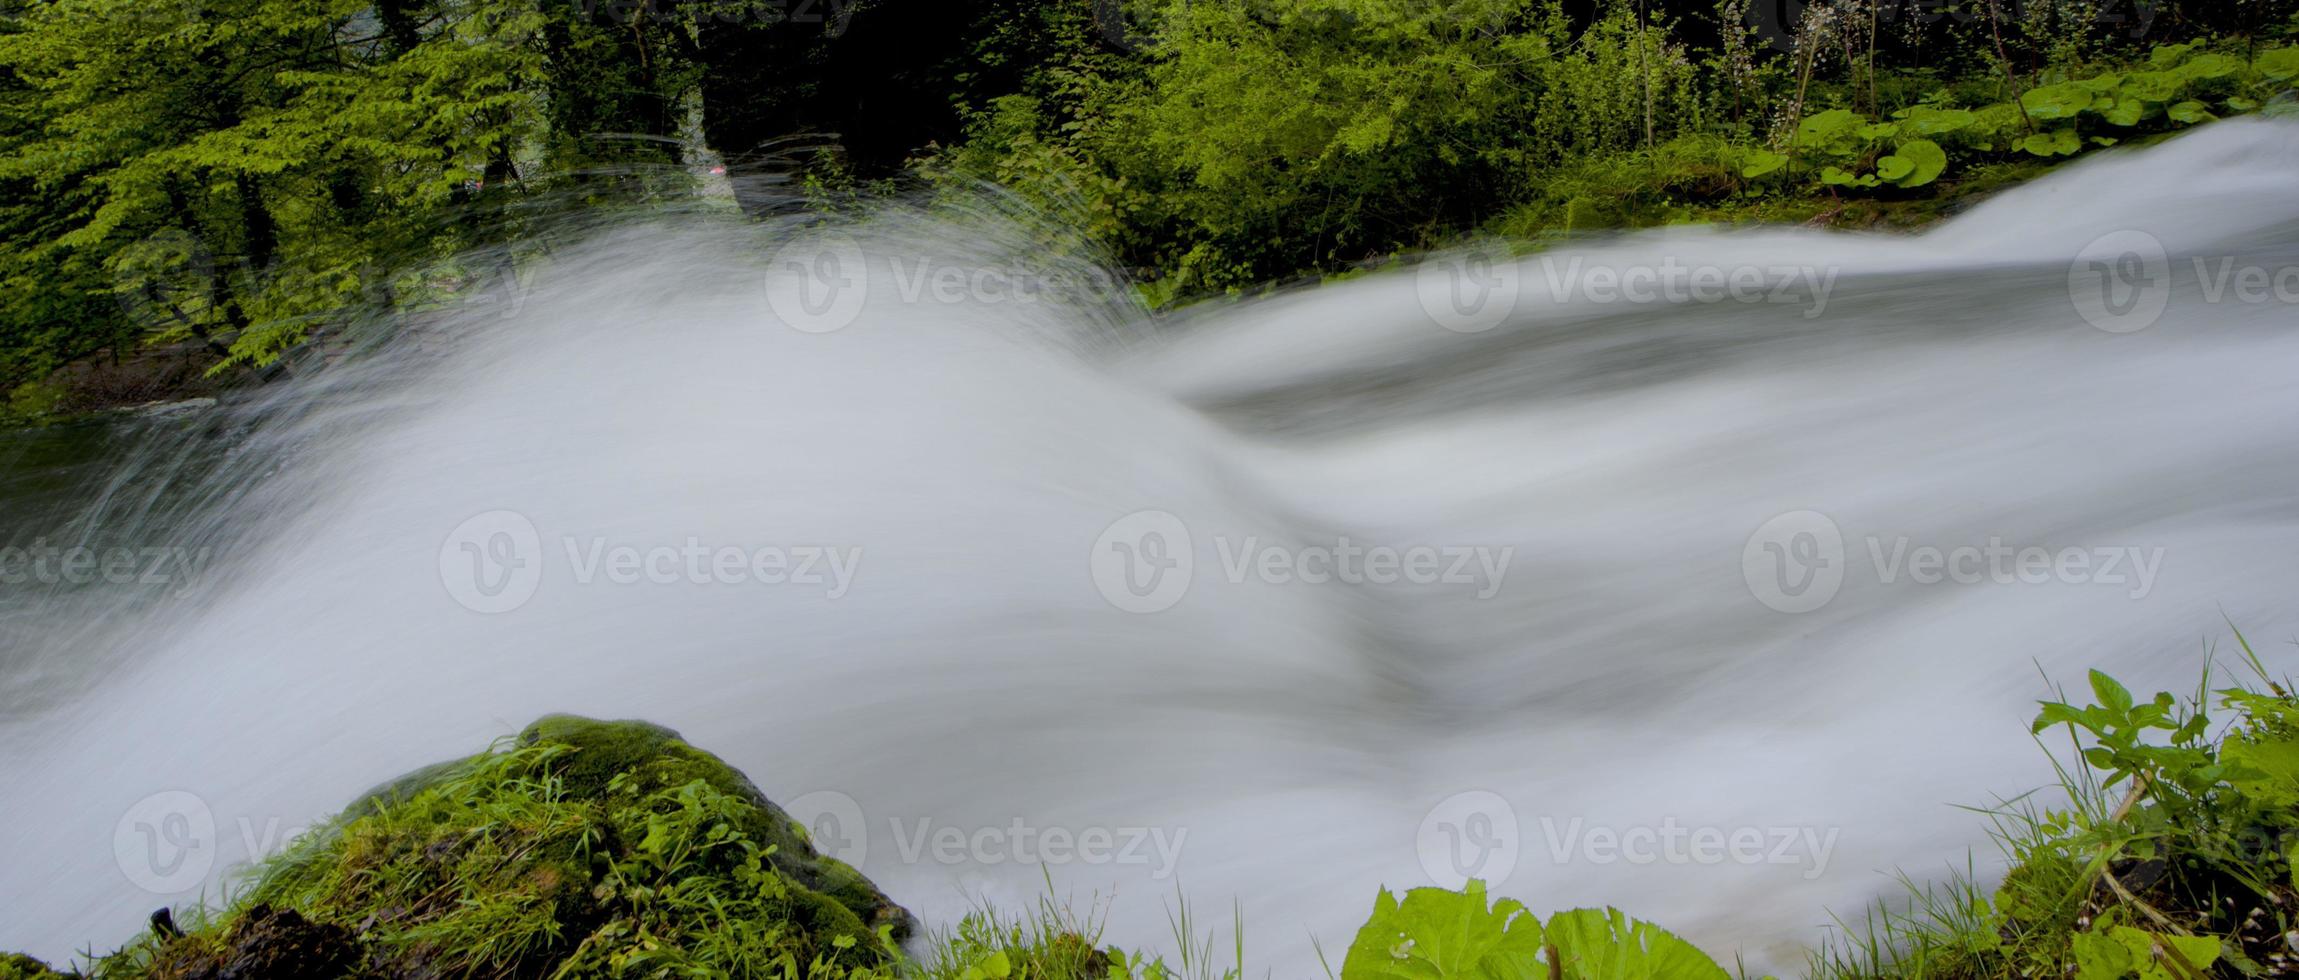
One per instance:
(184, 377)
(616, 849)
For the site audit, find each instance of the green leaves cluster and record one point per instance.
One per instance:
(2119, 729)
(2122, 951)
(2180, 86)
(1839, 139)
(2217, 813)
(1251, 141)
(1436, 934)
(234, 174)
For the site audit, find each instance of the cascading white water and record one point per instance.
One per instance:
(981, 452)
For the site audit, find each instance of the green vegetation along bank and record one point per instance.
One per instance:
(193, 192)
(586, 848)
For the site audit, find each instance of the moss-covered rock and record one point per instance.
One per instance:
(264, 943)
(17, 966)
(579, 848)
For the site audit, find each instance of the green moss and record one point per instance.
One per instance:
(579, 848)
(16, 966)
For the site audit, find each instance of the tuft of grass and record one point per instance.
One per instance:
(2173, 852)
(1057, 942)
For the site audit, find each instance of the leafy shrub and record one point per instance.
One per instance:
(1435, 934)
(2174, 858)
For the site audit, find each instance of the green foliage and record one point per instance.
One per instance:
(1605, 944)
(1300, 133)
(585, 849)
(1060, 943)
(1913, 163)
(237, 176)
(2123, 951)
(237, 172)
(2171, 859)
(1252, 141)
(2058, 120)
(1435, 934)
(2117, 726)
(18, 967)
(2280, 64)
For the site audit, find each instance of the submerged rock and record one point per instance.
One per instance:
(579, 848)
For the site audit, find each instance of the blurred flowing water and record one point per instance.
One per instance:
(985, 667)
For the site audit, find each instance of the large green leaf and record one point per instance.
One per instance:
(1758, 162)
(2190, 112)
(2123, 951)
(2062, 101)
(2264, 770)
(1835, 133)
(2060, 143)
(1926, 120)
(1839, 177)
(2204, 66)
(2151, 86)
(1436, 934)
(2168, 55)
(1924, 160)
(2124, 112)
(2281, 64)
(1605, 944)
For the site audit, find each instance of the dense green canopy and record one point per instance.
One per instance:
(232, 176)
